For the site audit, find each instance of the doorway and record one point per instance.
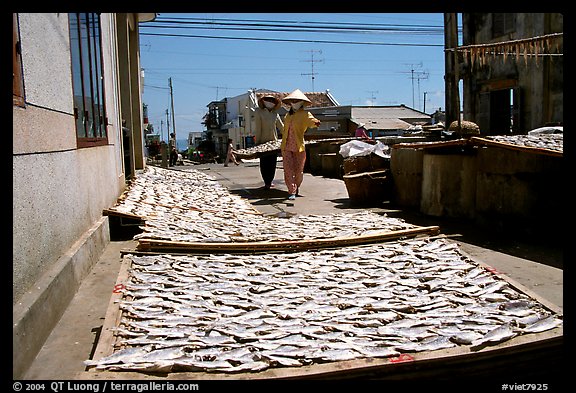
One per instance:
(500, 112)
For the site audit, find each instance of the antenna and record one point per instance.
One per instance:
(416, 75)
(372, 96)
(218, 88)
(312, 51)
(422, 75)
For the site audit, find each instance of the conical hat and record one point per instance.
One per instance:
(297, 95)
(269, 97)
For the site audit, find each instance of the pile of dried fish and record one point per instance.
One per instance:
(542, 141)
(191, 206)
(158, 192)
(267, 147)
(232, 313)
(254, 151)
(206, 227)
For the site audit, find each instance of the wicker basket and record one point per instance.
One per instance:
(466, 128)
(367, 188)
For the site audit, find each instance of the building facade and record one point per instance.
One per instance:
(342, 121)
(511, 65)
(77, 137)
(233, 117)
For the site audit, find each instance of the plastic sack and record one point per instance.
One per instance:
(382, 150)
(357, 148)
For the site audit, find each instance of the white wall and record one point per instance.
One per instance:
(59, 191)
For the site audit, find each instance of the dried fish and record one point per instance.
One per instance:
(332, 355)
(283, 361)
(209, 213)
(126, 355)
(553, 142)
(465, 337)
(497, 335)
(542, 325)
(232, 313)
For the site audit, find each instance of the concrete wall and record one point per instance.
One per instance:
(59, 190)
(448, 185)
(520, 191)
(406, 166)
(502, 188)
(236, 107)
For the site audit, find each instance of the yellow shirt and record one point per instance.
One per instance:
(300, 121)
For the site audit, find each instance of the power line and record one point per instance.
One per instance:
(320, 28)
(301, 29)
(288, 40)
(266, 22)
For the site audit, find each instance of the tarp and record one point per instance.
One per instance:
(357, 148)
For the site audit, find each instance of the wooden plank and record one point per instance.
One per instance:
(431, 145)
(538, 350)
(109, 212)
(280, 246)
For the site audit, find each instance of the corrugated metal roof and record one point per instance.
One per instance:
(387, 117)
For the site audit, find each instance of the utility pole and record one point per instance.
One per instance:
(172, 103)
(313, 61)
(424, 110)
(451, 78)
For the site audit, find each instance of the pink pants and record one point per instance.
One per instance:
(293, 163)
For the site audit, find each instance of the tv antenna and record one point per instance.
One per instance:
(218, 88)
(416, 75)
(372, 96)
(312, 51)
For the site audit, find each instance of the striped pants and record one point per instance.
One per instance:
(293, 163)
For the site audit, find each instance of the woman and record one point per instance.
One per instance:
(361, 132)
(296, 122)
(230, 154)
(266, 120)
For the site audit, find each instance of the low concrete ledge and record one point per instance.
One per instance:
(40, 309)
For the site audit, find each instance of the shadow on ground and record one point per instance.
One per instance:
(549, 251)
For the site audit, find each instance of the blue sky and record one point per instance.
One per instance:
(379, 71)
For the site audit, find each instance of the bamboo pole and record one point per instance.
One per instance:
(280, 246)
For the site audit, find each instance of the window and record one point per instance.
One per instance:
(88, 79)
(17, 80)
(503, 23)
